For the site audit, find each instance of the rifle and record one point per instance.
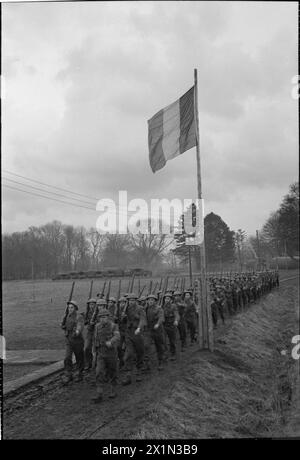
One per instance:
(160, 285)
(174, 283)
(163, 292)
(89, 297)
(103, 290)
(150, 288)
(128, 287)
(119, 290)
(91, 289)
(154, 289)
(63, 324)
(139, 285)
(132, 283)
(108, 291)
(142, 290)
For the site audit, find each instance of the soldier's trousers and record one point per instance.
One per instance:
(182, 331)
(74, 345)
(155, 336)
(88, 345)
(221, 313)
(158, 339)
(214, 313)
(120, 348)
(240, 302)
(171, 334)
(106, 368)
(245, 300)
(134, 350)
(191, 327)
(230, 306)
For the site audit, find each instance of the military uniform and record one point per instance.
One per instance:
(191, 318)
(106, 339)
(182, 328)
(122, 328)
(88, 342)
(171, 320)
(155, 333)
(135, 321)
(74, 342)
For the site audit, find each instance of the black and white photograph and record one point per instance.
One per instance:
(150, 223)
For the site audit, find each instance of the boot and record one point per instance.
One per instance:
(99, 398)
(67, 379)
(78, 377)
(112, 393)
(138, 376)
(127, 380)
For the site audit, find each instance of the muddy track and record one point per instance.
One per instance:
(52, 411)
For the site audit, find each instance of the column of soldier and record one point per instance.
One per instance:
(120, 332)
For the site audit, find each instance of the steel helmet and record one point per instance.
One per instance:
(72, 302)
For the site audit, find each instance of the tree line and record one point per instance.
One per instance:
(42, 252)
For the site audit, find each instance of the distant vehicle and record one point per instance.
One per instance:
(138, 272)
(111, 272)
(62, 276)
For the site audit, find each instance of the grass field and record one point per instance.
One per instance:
(33, 310)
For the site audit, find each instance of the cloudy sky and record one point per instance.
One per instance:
(82, 79)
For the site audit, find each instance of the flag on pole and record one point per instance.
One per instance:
(171, 131)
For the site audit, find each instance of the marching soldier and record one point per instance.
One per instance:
(121, 321)
(181, 308)
(112, 308)
(134, 317)
(73, 327)
(155, 333)
(105, 348)
(190, 315)
(171, 322)
(88, 343)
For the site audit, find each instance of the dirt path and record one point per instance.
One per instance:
(232, 392)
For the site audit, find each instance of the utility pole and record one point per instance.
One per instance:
(258, 250)
(205, 319)
(190, 267)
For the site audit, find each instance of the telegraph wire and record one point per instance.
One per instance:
(46, 191)
(48, 197)
(48, 185)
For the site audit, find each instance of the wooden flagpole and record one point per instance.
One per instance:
(205, 320)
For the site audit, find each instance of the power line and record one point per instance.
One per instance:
(119, 212)
(48, 185)
(48, 197)
(46, 191)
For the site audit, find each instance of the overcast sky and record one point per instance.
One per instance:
(82, 79)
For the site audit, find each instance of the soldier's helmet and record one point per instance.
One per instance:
(91, 300)
(132, 296)
(188, 292)
(112, 299)
(168, 294)
(152, 296)
(72, 302)
(101, 302)
(142, 298)
(102, 312)
(177, 293)
(122, 299)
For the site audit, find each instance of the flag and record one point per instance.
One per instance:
(171, 131)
